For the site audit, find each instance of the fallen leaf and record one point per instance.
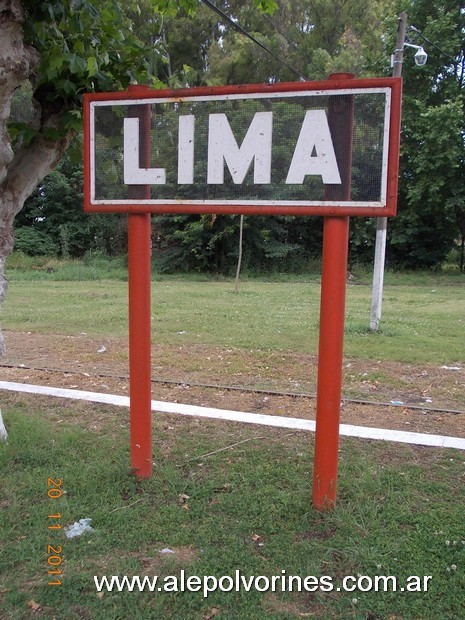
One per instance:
(226, 488)
(100, 595)
(258, 540)
(211, 613)
(182, 498)
(33, 605)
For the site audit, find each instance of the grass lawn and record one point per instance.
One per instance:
(422, 317)
(226, 497)
(400, 513)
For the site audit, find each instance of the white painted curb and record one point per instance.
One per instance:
(347, 430)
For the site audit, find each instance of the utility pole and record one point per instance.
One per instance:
(381, 222)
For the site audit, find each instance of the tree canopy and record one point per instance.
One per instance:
(54, 51)
(432, 181)
(316, 38)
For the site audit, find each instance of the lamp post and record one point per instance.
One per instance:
(381, 222)
(421, 58)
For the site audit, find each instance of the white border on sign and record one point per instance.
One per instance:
(237, 96)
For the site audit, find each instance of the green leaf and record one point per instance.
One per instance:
(92, 66)
(77, 64)
(73, 120)
(22, 132)
(267, 6)
(52, 134)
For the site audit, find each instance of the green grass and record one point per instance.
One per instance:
(397, 508)
(399, 512)
(92, 267)
(422, 321)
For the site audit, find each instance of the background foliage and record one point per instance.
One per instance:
(189, 44)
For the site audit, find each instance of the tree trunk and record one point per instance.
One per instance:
(23, 168)
(3, 289)
(27, 168)
(460, 219)
(239, 258)
(462, 254)
(17, 62)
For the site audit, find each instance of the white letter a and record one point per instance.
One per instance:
(314, 137)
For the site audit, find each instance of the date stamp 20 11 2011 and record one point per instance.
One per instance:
(54, 551)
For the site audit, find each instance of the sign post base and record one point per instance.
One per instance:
(331, 344)
(140, 344)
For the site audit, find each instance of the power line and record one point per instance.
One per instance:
(414, 29)
(244, 32)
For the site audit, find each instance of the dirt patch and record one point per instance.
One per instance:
(376, 393)
(168, 559)
(159, 559)
(308, 605)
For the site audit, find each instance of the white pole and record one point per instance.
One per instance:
(3, 433)
(381, 222)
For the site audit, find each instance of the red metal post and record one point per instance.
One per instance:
(332, 311)
(139, 274)
(140, 344)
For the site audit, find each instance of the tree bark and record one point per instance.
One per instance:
(460, 219)
(17, 62)
(21, 169)
(27, 168)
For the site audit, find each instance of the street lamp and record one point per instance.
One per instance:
(421, 56)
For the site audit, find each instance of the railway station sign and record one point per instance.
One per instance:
(298, 148)
(327, 148)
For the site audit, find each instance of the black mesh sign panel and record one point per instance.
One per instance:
(313, 149)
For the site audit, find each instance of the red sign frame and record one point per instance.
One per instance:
(335, 249)
(141, 95)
